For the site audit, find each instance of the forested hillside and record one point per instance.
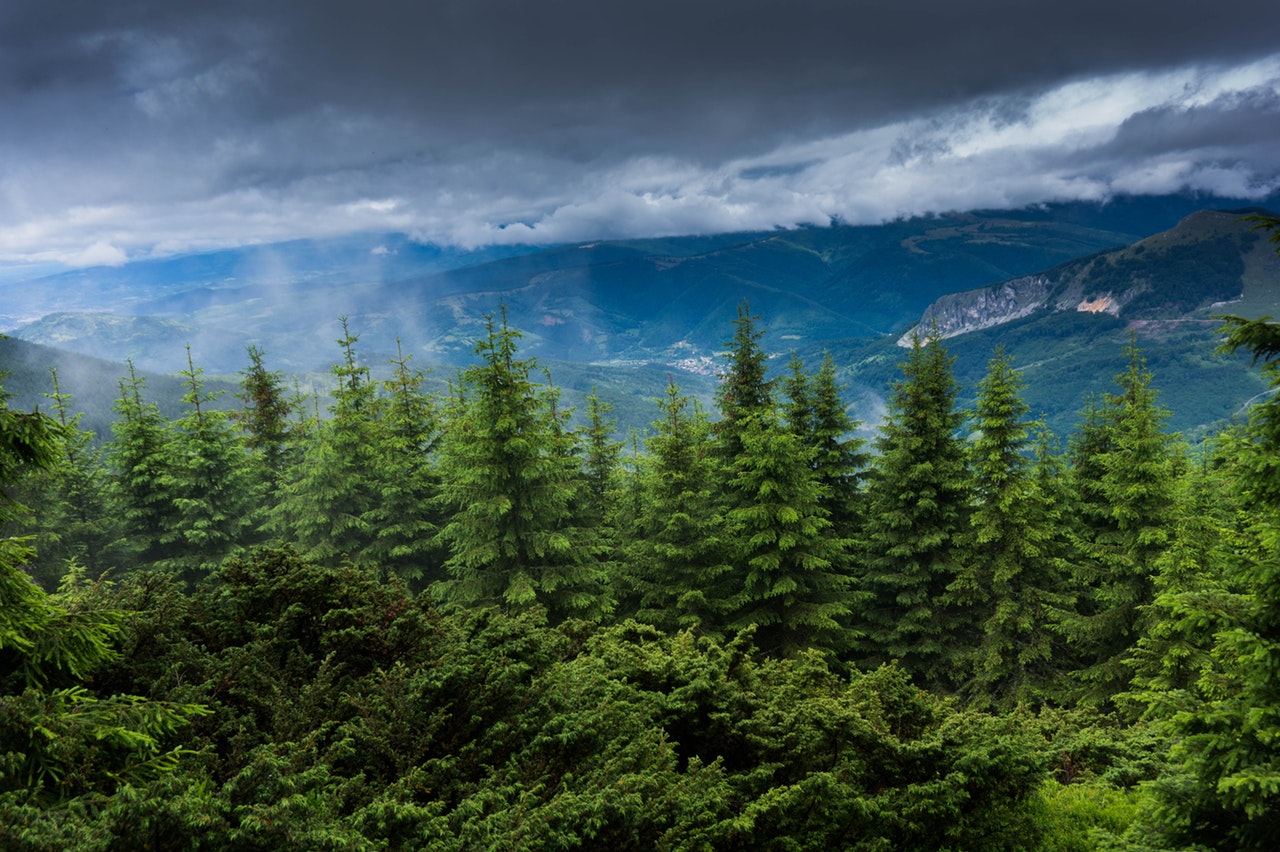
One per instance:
(458, 621)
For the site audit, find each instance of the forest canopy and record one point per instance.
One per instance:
(471, 621)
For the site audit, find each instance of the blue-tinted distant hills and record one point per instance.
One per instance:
(627, 314)
(189, 282)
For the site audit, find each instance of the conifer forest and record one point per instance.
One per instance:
(476, 619)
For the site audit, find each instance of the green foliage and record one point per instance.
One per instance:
(326, 497)
(264, 419)
(1123, 477)
(816, 412)
(141, 461)
(917, 506)
(795, 583)
(58, 739)
(1195, 593)
(1011, 576)
(601, 454)
(678, 552)
(514, 487)
(1225, 792)
(1261, 337)
(1082, 817)
(744, 390)
(208, 478)
(70, 518)
(404, 518)
(344, 712)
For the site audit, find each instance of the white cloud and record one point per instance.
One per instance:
(98, 254)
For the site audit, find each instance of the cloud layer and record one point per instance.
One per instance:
(139, 128)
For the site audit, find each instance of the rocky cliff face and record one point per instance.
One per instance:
(1181, 272)
(959, 313)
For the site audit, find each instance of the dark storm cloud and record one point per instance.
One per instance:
(149, 126)
(1233, 121)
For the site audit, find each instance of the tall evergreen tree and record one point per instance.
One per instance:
(326, 498)
(57, 738)
(744, 391)
(794, 585)
(214, 492)
(72, 518)
(797, 391)
(1126, 510)
(816, 412)
(264, 419)
(677, 558)
(1192, 584)
(1226, 794)
(601, 455)
(141, 460)
(917, 505)
(405, 519)
(514, 534)
(1010, 581)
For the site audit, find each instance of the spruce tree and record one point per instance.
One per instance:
(214, 491)
(1010, 584)
(1192, 584)
(677, 559)
(744, 391)
(1126, 510)
(405, 520)
(794, 585)
(328, 495)
(1226, 792)
(600, 462)
(917, 505)
(816, 412)
(141, 461)
(58, 739)
(512, 491)
(264, 419)
(71, 512)
(797, 392)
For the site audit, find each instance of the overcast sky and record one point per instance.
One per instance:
(134, 128)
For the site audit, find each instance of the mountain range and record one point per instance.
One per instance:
(1061, 287)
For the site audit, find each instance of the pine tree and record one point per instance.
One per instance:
(1226, 792)
(404, 519)
(328, 495)
(816, 412)
(141, 461)
(1126, 509)
(917, 504)
(214, 492)
(1010, 582)
(677, 556)
(1175, 655)
(264, 419)
(794, 585)
(601, 454)
(513, 491)
(798, 403)
(744, 389)
(59, 739)
(71, 515)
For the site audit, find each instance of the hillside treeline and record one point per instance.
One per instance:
(463, 622)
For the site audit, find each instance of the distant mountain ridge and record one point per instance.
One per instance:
(1061, 287)
(650, 301)
(1201, 264)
